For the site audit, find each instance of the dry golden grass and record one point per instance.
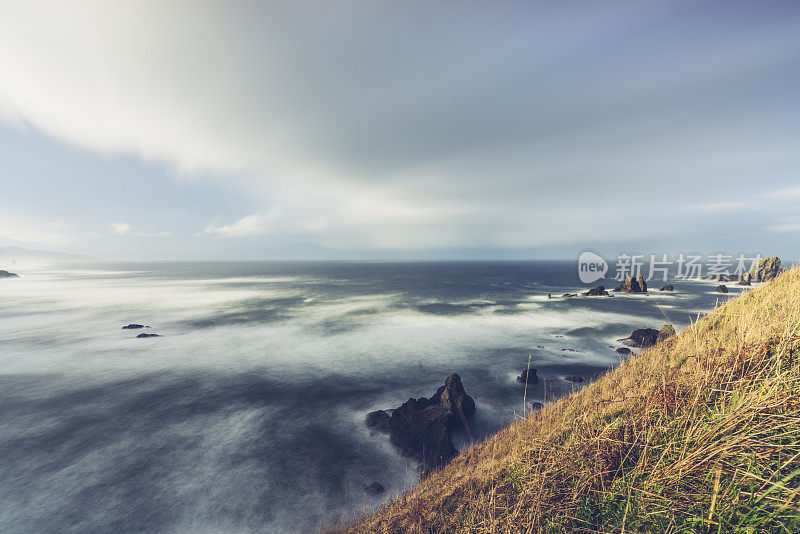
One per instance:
(698, 434)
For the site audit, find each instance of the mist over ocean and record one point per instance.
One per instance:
(247, 414)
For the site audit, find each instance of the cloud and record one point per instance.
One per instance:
(22, 231)
(789, 224)
(724, 207)
(153, 234)
(415, 125)
(783, 195)
(120, 228)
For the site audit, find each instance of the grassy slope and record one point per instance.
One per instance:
(698, 434)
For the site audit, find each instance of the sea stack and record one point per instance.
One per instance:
(629, 285)
(421, 428)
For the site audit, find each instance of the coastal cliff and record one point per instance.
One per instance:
(699, 433)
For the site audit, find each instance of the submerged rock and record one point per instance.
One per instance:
(667, 288)
(421, 428)
(574, 378)
(374, 489)
(143, 335)
(6, 274)
(528, 376)
(132, 326)
(379, 420)
(569, 295)
(536, 406)
(722, 288)
(624, 350)
(641, 338)
(667, 331)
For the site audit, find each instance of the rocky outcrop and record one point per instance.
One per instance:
(666, 332)
(569, 295)
(528, 376)
(132, 326)
(641, 338)
(766, 270)
(722, 288)
(599, 291)
(667, 288)
(624, 351)
(629, 285)
(422, 427)
(378, 420)
(626, 286)
(6, 274)
(144, 335)
(642, 283)
(536, 406)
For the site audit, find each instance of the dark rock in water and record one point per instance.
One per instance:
(667, 288)
(6, 274)
(528, 376)
(421, 427)
(629, 285)
(573, 378)
(743, 282)
(568, 350)
(143, 335)
(374, 489)
(642, 284)
(536, 406)
(666, 332)
(379, 420)
(625, 286)
(133, 326)
(722, 288)
(624, 350)
(599, 291)
(641, 338)
(569, 295)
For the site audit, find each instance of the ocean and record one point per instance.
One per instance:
(247, 414)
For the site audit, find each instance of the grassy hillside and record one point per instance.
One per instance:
(698, 434)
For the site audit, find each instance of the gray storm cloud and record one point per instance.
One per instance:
(420, 126)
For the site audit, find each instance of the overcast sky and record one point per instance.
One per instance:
(378, 129)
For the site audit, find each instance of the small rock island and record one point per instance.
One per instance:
(421, 428)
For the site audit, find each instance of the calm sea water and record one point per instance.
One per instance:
(247, 414)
